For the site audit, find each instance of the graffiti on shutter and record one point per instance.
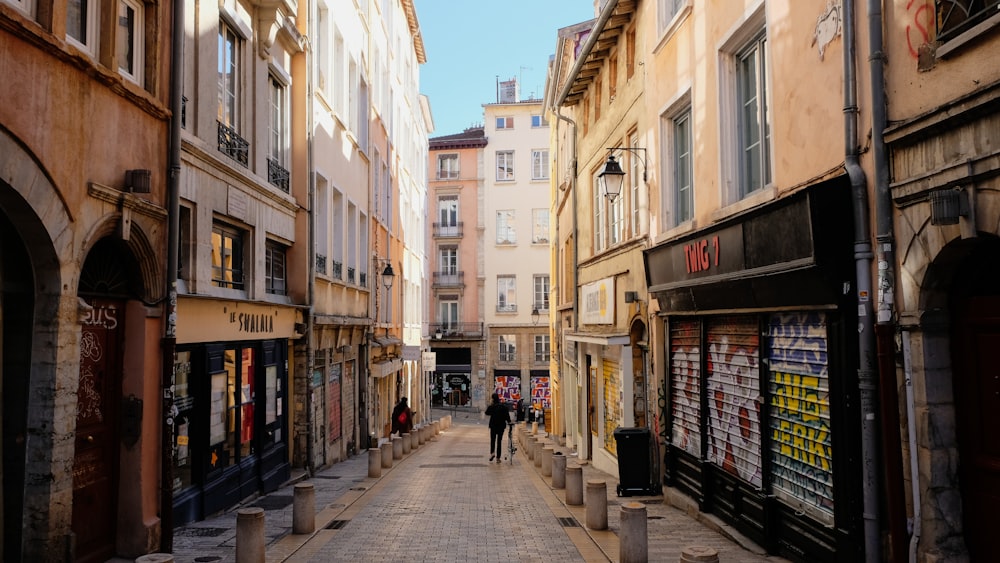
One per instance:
(612, 404)
(799, 389)
(685, 385)
(734, 396)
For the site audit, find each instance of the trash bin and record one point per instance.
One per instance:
(633, 462)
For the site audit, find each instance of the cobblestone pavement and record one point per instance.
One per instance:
(445, 502)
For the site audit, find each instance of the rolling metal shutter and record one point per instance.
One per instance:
(685, 385)
(799, 390)
(733, 389)
(612, 404)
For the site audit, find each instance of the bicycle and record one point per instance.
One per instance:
(511, 448)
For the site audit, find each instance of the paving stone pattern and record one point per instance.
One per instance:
(445, 502)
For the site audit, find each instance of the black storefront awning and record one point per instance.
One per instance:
(794, 252)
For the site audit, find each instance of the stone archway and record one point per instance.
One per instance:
(40, 316)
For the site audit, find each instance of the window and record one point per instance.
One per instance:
(666, 10)
(957, 17)
(130, 40)
(81, 24)
(376, 184)
(599, 215)
(27, 7)
(505, 123)
(539, 120)
(274, 268)
(540, 164)
(227, 256)
(449, 260)
(507, 345)
(505, 166)
(753, 128)
(448, 313)
(505, 227)
(448, 216)
(630, 53)
(362, 117)
(539, 226)
(541, 301)
(636, 170)
(277, 138)
(680, 137)
(230, 53)
(506, 294)
(322, 222)
(321, 47)
(616, 216)
(447, 167)
(542, 348)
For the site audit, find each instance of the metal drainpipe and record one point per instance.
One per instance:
(173, 238)
(311, 267)
(863, 259)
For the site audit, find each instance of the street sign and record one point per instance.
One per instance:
(429, 360)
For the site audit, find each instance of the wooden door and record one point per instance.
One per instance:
(977, 405)
(95, 466)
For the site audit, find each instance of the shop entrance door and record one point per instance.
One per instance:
(95, 465)
(975, 340)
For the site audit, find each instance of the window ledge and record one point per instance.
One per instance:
(759, 197)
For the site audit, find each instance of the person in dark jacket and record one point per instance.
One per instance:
(499, 417)
(402, 417)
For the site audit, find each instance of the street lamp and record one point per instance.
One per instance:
(612, 175)
(534, 316)
(387, 276)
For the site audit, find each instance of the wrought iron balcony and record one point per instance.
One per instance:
(350, 275)
(506, 308)
(232, 145)
(448, 279)
(448, 231)
(321, 264)
(338, 270)
(363, 279)
(277, 175)
(455, 330)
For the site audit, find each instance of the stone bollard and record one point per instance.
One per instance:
(303, 508)
(374, 462)
(534, 428)
(424, 435)
(699, 554)
(406, 442)
(596, 499)
(574, 485)
(435, 428)
(530, 447)
(386, 449)
(414, 438)
(558, 470)
(155, 558)
(547, 461)
(397, 447)
(536, 455)
(250, 535)
(633, 539)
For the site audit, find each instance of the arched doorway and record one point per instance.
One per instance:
(110, 276)
(974, 303)
(17, 301)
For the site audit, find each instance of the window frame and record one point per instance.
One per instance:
(507, 156)
(540, 164)
(274, 249)
(504, 123)
(507, 348)
(539, 229)
(137, 41)
(230, 116)
(543, 348)
(682, 161)
(228, 231)
(507, 293)
(26, 7)
(539, 120)
(444, 169)
(506, 226)
(89, 26)
(750, 135)
(541, 284)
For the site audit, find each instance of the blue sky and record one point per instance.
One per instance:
(469, 43)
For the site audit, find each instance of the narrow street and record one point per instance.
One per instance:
(446, 502)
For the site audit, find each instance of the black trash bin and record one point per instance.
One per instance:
(633, 462)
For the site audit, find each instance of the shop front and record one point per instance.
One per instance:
(231, 431)
(760, 338)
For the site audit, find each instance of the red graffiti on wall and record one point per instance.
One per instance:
(921, 18)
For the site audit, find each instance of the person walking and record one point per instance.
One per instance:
(402, 417)
(499, 417)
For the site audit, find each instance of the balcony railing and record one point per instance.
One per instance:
(455, 330)
(350, 275)
(277, 175)
(507, 356)
(338, 270)
(510, 308)
(363, 279)
(448, 279)
(232, 145)
(321, 264)
(448, 231)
